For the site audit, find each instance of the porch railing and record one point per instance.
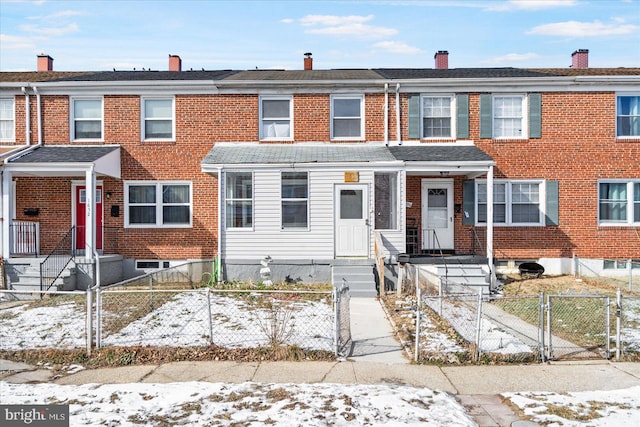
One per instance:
(434, 244)
(25, 238)
(56, 262)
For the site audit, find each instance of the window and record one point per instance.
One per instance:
(158, 204)
(86, 118)
(239, 199)
(158, 118)
(436, 117)
(276, 118)
(295, 199)
(7, 120)
(346, 117)
(619, 202)
(514, 202)
(386, 201)
(628, 116)
(508, 117)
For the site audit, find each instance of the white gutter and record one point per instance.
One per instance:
(220, 224)
(386, 114)
(398, 130)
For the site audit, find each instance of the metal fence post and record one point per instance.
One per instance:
(210, 319)
(418, 319)
(608, 326)
(549, 336)
(618, 323)
(541, 343)
(336, 320)
(478, 325)
(89, 320)
(630, 268)
(98, 317)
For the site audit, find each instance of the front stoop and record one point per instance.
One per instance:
(359, 277)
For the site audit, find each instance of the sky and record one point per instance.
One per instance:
(88, 35)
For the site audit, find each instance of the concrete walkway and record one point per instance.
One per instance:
(372, 335)
(477, 387)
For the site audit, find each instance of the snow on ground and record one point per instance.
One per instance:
(630, 332)
(182, 321)
(462, 316)
(200, 403)
(612, 408)
(434, 341)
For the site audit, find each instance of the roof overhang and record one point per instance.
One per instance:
(65, 160)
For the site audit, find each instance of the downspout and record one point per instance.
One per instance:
(220, 210)
(386, 114)
(38, 115)
(398, 132)
(27, 115)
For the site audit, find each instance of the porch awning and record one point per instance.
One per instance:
(444, 159)
(237, 155)
(66, 160)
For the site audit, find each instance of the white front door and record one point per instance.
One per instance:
(352, 220)
(437, 214)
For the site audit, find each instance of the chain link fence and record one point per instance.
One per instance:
(42, 320)
(342, 312)
(454, 326)
(615, 273)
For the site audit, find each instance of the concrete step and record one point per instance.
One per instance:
(359, 278)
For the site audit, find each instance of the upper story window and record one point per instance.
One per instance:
(86, 117)
(347, 117)
(295, 199)
(628, 116)
(239, 199)
(276, 117)
(158, 117)
(619, 202)
(508, 116)
(158, 204)
(7, 120)
(514, 202)
(511, 116)
(437, 118)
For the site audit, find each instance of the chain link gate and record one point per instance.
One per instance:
(578, 327)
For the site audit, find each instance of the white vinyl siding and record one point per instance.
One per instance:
(315, 242)
(87, 119)
(7, 120)
(158, 119)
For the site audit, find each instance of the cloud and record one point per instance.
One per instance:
(342, 26)
(511, 58)
(582, 29)
(51, 31)
(15, 42)
(531, 4)
(287, 21)
(398, 48)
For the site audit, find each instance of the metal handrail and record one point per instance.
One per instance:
(439, 249)
(55, 263)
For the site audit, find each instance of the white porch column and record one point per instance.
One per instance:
(6, 213)
(90, 216)
(490, 226)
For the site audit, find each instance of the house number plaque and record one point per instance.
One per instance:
(351, 176)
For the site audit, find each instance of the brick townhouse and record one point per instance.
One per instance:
(321, 169)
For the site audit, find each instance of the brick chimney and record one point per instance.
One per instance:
(308, 61)
(45, 62)
(580, 58)
(442, 60)
(175, 63)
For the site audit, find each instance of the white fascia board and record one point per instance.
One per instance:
(48, 169)
(449, 166)
(109, 164)
(213, 168)
(169, 87)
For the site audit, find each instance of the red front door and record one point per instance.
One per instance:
(81, 212)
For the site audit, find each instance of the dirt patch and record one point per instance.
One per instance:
(514, 285)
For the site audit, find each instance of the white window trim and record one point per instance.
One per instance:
(453, 110)
(158, 204)
(616, 119)
(362, 127)
(630, 204)
(143, 118)
(525, 115)
(509, 203)
(290, 118)
(253, 202)
(72, 118)
(13, 118)
(307, 199)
